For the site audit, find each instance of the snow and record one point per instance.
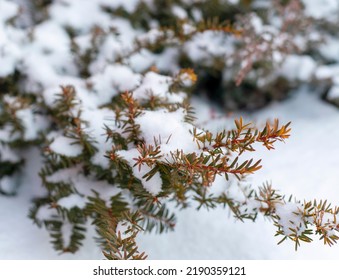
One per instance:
(83, 185)
(298, 67)
(126, 33)
(142, 60)
(289, 218)
(66, 230)
(333, 92)
(188, 29)
(179, 12)
(151, 37)
(7, 10)
(330, 49)
(7, 185)
(197, 14)
(257, 23)
(10, 38)
(64, 175)
(168, 129)
(50, 37)
(93, 117)
(209, 43)
(234, 2)
(7, 135)
(7, 154)
(50, 95)
(65, 146)
(321, 8)
(114, 46)
(28, 120)
(158, 86)
(327, 71)
(83, 42)
(47, 60)
(80, 15)
(71, 201)
(46, 212)
(329, 222)
(9, 56)
(113, 80)
(168, 60)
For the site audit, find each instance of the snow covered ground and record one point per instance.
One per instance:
(305, 166)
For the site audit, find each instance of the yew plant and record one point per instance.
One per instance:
(104, 101)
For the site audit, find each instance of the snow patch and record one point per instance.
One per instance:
(8, 185)
(290, 218)
(66, 231)
(298, 67)
(28, 120)
(71, 201)
(65, 146)
(93, 118)
(8, 10)
(159, 86)
(333, 92)
(7, 154)
(321, 9)
(168, 129)
(113, 80)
